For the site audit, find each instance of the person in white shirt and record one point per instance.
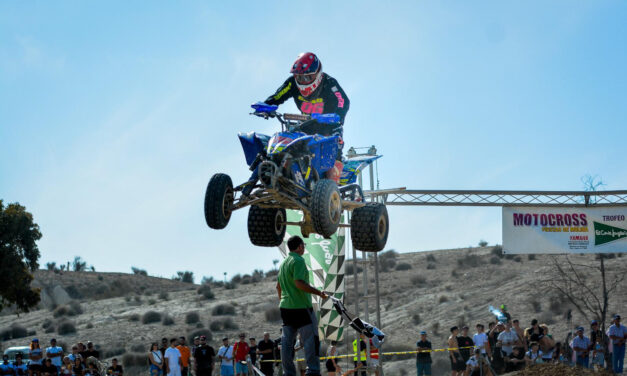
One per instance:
(534, 355)
(172, 357)
(507, 339)
(481, 340)
(55, 354)
(225, 354)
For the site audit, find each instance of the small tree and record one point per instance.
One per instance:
(483, 243)
(18, 247)
(186, 276)
(138, 271)
(275, 262)
(79, 265)
(51, 266)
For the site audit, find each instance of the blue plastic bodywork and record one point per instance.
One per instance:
(354, 166)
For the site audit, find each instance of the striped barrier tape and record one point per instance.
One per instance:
(380, 354)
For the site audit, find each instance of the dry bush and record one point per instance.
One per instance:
(134, 360)
(167, 320)
(537, 307)
(402, 266)
(134, 317)
(431, 266)
(223, 310)
(12, 332)
(531, 257)
(495, 260)
(192, 317)
(205, 290)
(443, 299)
(116, 350)
(150, 317)
(66, 327)
(223, 324)
(73, 308)
(272, 314)
(419, 280)
(471, 261)
(431, 258)
(138, 347)
(349, 268)
(416, 319)
(164, 295)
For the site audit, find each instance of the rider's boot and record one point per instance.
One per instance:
(336, 172)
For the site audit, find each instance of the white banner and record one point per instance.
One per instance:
(564, 230)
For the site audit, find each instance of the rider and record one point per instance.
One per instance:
(314, 92)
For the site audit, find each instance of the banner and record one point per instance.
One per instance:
(325, 261)
(564, 230)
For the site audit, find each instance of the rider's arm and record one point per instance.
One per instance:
(283, 93)
(341, 100)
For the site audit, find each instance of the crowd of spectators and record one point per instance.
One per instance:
(506, 347)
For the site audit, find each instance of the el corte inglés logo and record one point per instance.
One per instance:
(605, 233)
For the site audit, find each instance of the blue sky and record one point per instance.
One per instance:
(114, 115)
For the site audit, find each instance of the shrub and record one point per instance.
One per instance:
(454, 273)
(430, 266)
(66, 327)
(201, 332)
(271, 273)
(215, 326)
(497, 251)
(152, 301)
(18, 331)
(482, 243)
(89, 326)
(556, 306)
(416, 319)
(223, 310)
(138, 347)
(237, 278)
(546, 318)
(139, 271)
(167, 320)
(229, 324)
(134, 360)
(100, 278)
(134, 317)
(114, 351)
(517, 259)
(230, 286)
(431, 258)
(163, 295)
(150, 317)
(205, 290)
(443, 299)
(435, 327)
(537, 307)
(350, 268)
(531, 257)
(472, 261)
(495, 260)
(186, 276)
(71, 309)
(403, 266)
(448, 288)
(47, 324)
(418, 280)
(192, 317)
(272, 314)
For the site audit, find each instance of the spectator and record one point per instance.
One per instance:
(598, 353)
(266, 351)
(35, 356)
(506, 314)
(534, 355)
(547, 344)
(515, 361)
(155, 357)
(225, 354)
(115, 369)
(172, 359)
(374, 356)
(66, 367)
(49, 369)
(507, 339)
(81, 350)
(423, 357)
(497, 357)
(480, 340)
(192, 360)
(595, 333)
(331, 364)
(240, 354)
(458, 366)
(299, 349)
(465, 343)
(74, 354)
(164, 345)
(535, 333)
(185, 355)
(294, 292)
(91, 351)
(359, 350)
(204, 358)
(21, 369)
(6, 368)
(91, 369)
(491, 339)
(520, 332)
(77, 366)
(277, 353)
(55, 353)
(252, 352)
(475, 364)
(618, 335)
(581, 344)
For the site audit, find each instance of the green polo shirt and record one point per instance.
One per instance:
(293, 268)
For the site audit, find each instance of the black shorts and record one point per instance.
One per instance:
(35, 367)
(458, 364)
(330, 366)
(204, 372)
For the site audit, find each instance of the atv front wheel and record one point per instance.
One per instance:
(326, 207)
(370, 226)
(218, 201)
(266, 226)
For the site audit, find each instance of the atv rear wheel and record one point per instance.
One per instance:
(326, 207)
(266, 226)
(218, 201)
(370, 226)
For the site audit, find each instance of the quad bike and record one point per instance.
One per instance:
(288, 172)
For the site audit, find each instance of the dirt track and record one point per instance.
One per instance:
(557, 369)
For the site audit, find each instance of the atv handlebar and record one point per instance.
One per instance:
(291, 121)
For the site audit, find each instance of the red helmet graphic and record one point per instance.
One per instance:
(307, 71)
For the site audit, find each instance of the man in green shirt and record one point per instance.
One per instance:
(296, 309)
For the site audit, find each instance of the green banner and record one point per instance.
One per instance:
(606, 233)
(325, 261)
